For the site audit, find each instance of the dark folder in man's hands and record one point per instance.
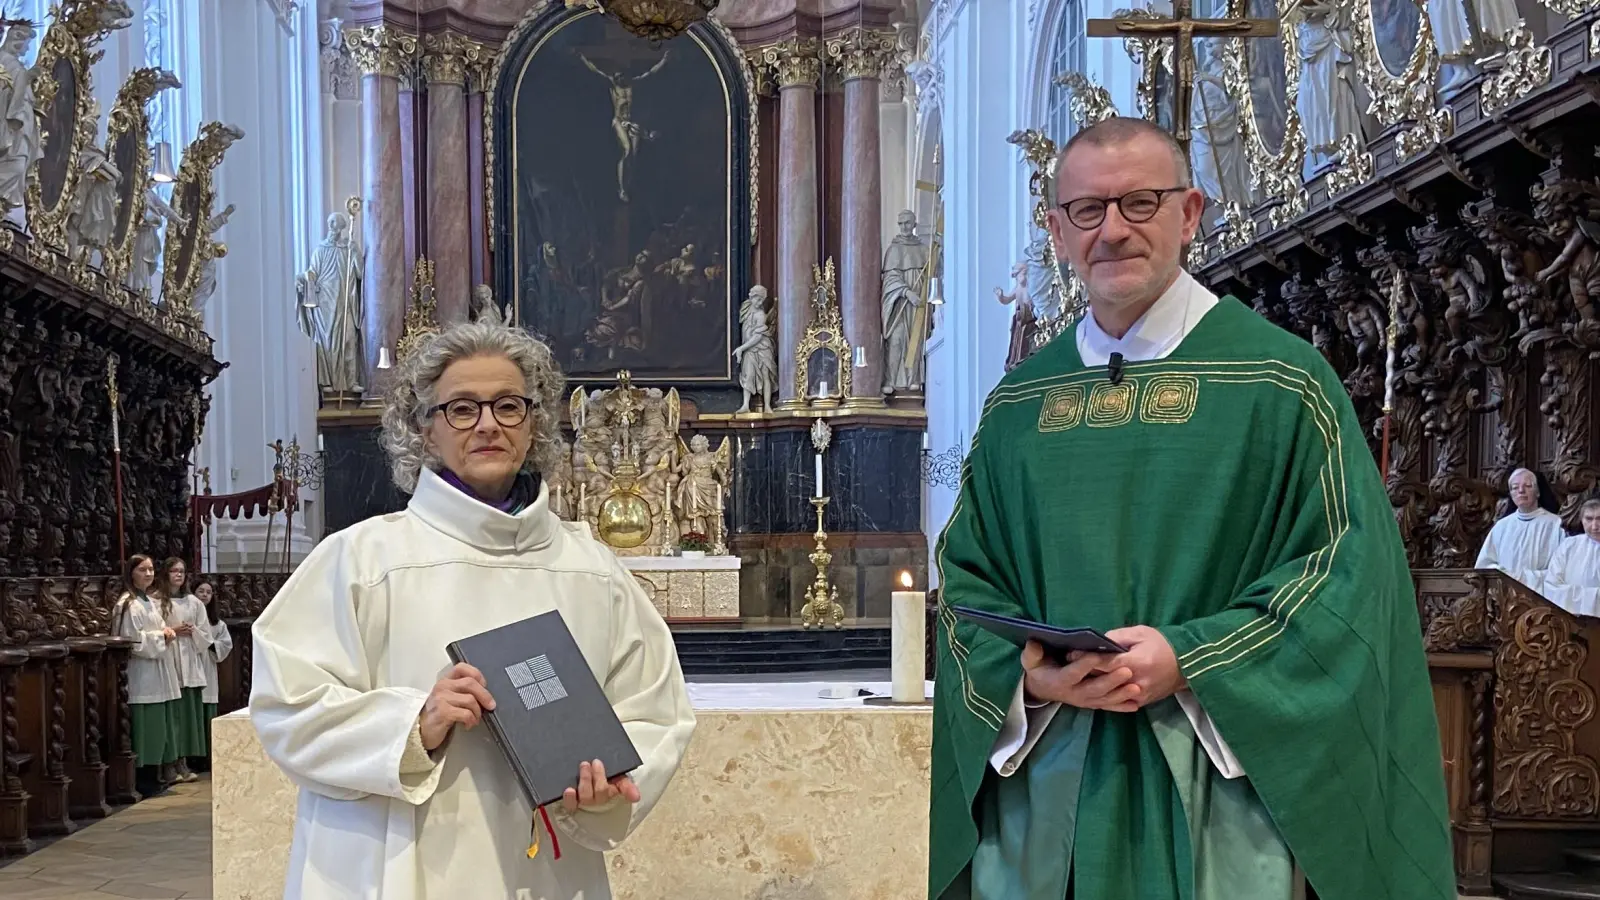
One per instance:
(550, 715)
(1020, 631)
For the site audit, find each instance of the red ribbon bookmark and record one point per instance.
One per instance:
(555, 842)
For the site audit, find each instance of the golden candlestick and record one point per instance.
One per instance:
(822, 609)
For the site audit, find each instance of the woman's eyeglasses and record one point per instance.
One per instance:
(463, 414)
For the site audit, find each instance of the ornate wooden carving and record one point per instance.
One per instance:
(13, 799)
(1541, 701)
(1466, 623)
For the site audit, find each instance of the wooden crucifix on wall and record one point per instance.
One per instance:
(1182, 28)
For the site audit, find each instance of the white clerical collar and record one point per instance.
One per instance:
(474, 522)
(1156, 333)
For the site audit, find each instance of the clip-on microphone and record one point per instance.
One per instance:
(1114, 368)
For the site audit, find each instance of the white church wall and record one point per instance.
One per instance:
(240, 66)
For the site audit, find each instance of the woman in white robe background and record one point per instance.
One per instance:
(186, 616)
(221, 646)
(153, 686)
(1521, 544)
(1573, 579)
(354, 697)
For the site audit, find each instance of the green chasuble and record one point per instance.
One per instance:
(1226, 496)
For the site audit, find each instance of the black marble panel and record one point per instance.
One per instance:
(356, 483)
(871, 474)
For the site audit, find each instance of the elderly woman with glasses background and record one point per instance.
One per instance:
(355, 698)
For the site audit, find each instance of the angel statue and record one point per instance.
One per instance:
(208, 271)
(703, 477)
(94, 210)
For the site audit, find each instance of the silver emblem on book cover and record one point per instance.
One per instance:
(536, 682)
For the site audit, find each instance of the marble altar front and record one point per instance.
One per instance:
(689, 589)
(782, 795)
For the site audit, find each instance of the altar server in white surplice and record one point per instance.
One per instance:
(1574, 575)
(1521, 544)
(401, 796)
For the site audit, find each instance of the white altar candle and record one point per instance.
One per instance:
(908, 642)
(818, 482)
(822, 391)
(319, 443)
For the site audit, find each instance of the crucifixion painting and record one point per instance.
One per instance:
(629, 133)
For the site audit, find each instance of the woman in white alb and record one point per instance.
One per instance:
(186, 616)
(221, 646)
(153, 687)
(354, 697)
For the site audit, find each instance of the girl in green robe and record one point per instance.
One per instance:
(153, 688)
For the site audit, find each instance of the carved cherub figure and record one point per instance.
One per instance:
(1566, 209)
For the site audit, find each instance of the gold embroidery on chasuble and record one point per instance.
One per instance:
(1111, 405)
(1062, 409)
(1169, 399)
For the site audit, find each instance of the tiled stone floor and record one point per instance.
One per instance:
(159, 849)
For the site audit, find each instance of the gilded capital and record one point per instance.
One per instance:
(381, 50)
(796, 62)
(480, 62)
(862, 52)
(444, 59)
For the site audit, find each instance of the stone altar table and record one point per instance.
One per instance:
(684, 589)
(782, 795)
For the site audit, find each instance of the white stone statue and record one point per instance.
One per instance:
(757, 356)
(1452, 34)
(20, 144)
(328, 297)
(207, 285)
(905, 321)
(1216, 147)
(484, 309)
(1328, 106)
(1496, 19)
(147, 244)
(94, 211)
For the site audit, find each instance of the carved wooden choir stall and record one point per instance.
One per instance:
(102, 375)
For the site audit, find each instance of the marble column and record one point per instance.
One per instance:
(380, 52)
(449, 204)
(861, 55)
(798, 64)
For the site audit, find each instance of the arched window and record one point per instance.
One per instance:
(1066, 55)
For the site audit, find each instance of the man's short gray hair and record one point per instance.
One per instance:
(1120, 130)
(413, 392)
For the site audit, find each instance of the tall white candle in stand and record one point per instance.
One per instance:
(818, 482)
(908, 642)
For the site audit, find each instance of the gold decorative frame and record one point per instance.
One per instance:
(1274, 175)
(826, 331)
(63, 57)
(1411, 96)
(491, 84)
(422, 318)
(1525, 67)
(192, 198)
(128, 145)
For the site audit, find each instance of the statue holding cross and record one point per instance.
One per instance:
(1182, 28)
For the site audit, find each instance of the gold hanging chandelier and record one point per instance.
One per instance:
(653, 20)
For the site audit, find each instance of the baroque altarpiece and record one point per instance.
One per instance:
(666, 198)
(1413, 189)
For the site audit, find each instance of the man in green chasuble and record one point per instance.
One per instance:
(1180, 473)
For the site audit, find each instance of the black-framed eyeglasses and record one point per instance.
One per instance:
(463, 414)
(1135, 206)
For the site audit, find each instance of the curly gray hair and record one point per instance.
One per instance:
(413, 392)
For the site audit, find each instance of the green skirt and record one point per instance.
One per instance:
(190, 724)
(210, 713)
(155, 732)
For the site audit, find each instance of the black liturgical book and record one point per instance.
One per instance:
(550, 714)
